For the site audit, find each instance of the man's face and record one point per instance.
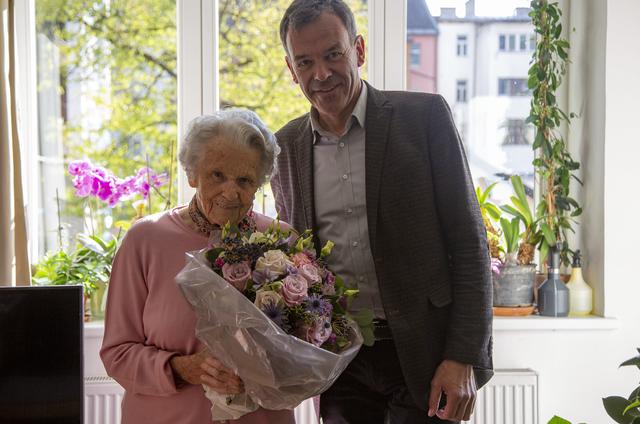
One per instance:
(324, 62)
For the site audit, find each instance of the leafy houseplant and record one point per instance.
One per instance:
(625, 410)
(514, 278)
(553, 164)
(88, 265)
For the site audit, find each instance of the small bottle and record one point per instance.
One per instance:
(553, 294)
(580, 293)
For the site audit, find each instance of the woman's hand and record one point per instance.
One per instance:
(202, 368)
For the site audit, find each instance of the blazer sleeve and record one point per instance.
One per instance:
(138, 367)
(276, 188)
(469, 330)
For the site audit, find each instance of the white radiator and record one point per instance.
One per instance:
(102, 398)
(511, 397)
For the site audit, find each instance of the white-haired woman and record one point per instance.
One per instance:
(149, 344)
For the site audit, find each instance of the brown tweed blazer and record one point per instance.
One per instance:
(427, 235)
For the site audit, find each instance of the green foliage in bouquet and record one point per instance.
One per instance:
(625, 410)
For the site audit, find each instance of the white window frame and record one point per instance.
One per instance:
(197, 45)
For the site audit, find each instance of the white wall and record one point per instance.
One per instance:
(578, 368)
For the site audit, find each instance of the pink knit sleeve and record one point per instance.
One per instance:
(139, 368)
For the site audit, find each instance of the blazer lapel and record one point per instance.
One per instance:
(377, 129)
(303, 148)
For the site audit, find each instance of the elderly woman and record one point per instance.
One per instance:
(150, 346)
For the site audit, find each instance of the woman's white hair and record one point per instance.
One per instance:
(240, 126)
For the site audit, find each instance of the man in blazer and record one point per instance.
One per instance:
(383, 174)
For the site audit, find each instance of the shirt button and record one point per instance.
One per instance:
(345, 177)
(341, 144)
(361, 278)
(354, 244)
(348, 211)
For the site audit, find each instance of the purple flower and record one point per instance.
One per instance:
(99, 182)
(318, 332)
(319, 306)
(276, 314)
(496, 266)
(263, 276)
(78, 167)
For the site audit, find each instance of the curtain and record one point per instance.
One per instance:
(14, 261)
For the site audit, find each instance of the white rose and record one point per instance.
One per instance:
(275, 261)
(267, 297)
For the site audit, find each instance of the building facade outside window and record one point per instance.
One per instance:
(415, 54)
(513, 87)
(461, 91)
(461, 46)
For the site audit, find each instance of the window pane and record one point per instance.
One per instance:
(486, 88)
(253, 72)
(107, 93)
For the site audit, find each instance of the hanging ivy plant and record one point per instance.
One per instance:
(553, 163)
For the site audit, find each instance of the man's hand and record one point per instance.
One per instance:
(202, 368)
(457, 382)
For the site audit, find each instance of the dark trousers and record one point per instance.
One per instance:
(372, 390)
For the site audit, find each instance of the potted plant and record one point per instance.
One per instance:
(88, 265)
(514, 278)
(553, 163)
(625, 410)
(89, 262)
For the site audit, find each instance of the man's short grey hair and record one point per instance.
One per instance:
(303, 12)
(240, 126)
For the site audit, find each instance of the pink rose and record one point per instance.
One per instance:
(319, 332)
(219, 262)
(300, 259)
(294, 289)
(310, 272)
(237, 274)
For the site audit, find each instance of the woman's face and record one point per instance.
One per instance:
(226, 179)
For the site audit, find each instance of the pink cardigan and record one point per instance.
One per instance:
(148, 321)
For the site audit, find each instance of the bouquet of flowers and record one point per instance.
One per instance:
(269, 309)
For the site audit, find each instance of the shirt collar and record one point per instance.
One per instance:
(359, 114)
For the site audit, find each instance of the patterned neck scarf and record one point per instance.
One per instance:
(247, 223)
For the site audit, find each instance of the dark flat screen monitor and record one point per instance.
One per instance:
(41, 373)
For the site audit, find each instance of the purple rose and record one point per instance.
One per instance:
(237, 274)
(294, 289)
(319, 332)
(310, 272)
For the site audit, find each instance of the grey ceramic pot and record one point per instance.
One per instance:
(514, 286)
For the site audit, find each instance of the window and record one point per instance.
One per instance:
(489, 98)
(461, 91)
(106, 91)
(461, 46)
(415, 54)
(516, 133)
(513, 87)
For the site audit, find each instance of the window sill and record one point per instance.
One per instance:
(94, 329)
(540, 323)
